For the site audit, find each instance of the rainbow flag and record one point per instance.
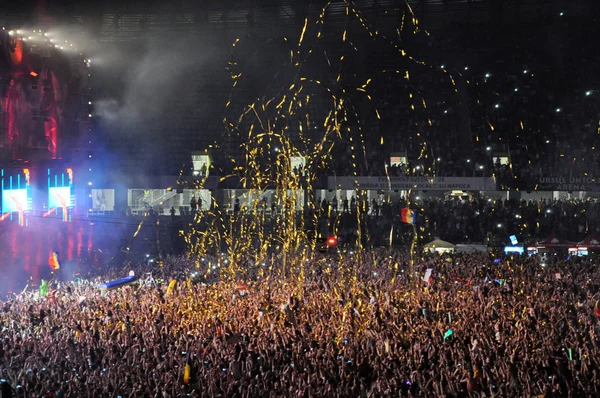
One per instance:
(53, 261)
(408, 216)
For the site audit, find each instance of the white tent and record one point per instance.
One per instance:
(439, 246)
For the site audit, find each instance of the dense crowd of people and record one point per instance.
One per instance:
(467, 220)
(352, 325)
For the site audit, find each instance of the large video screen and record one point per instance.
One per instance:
(14, 200)
(59, 197)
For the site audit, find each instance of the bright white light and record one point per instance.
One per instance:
(497, 106)
(468, 160)
(446, 111)
(489, 148)
(46, 34)
(547, 141)
(439, 159)
(516, 89)
(418, 167)
(499, 225)
(480, 167)
(561, 14)
(89, 115)
(442, 66)
(89, 102)
(90, 169)
(89, 183)
(525, 71)
(56, 45)
(558, 109)
(487, 75)
(466, 68)
(588, 93)
(418, 197)
(10, 33)
(18, 32)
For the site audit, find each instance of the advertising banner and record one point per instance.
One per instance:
(568, 183)
(416, 183)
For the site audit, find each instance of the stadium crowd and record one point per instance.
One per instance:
(354, 325)
(468, 220)
(471, 106)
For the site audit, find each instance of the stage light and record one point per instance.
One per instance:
(558, 109)
(487, 75)
(32, 73)
(89, 183)
(89, 102)
(11, 33)
(18, 32)
(46, 34)
(497, 106)
(525, 71)
(466, 68)
(89, 115)
(588, 93)
(443, 66)
(332, 241)
(489, 148)
(516, 89)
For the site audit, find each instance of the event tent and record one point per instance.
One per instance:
(553, 241)
(591, 242)
(440, 246)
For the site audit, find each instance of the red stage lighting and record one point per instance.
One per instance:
(34, 74)
(331, 241)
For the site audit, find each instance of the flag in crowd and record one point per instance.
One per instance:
(408, 216)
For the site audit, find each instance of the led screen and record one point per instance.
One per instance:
(59, 197)
(513, 249)
(14, 200)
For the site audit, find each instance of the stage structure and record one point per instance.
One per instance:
(43, 113)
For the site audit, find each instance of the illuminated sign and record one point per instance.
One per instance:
(14, 200)
(59, 197)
